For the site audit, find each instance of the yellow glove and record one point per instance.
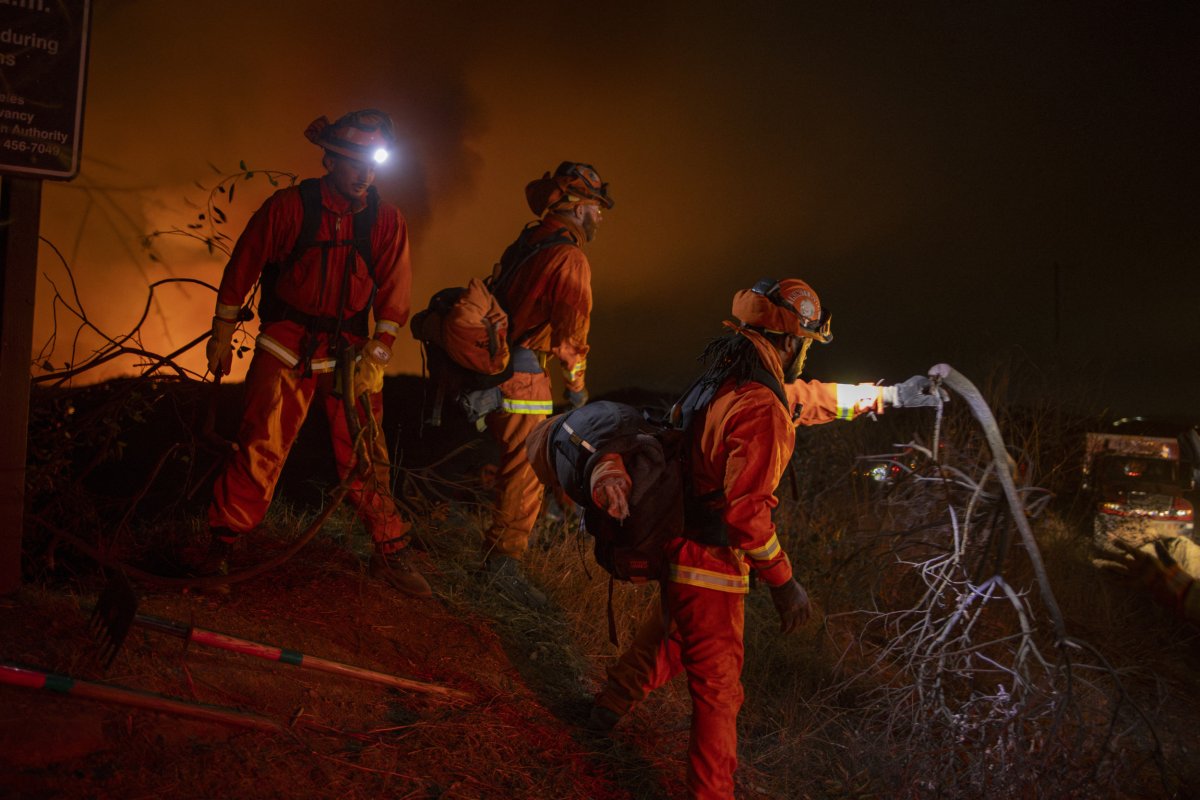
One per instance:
(220, 346)
(368, 372)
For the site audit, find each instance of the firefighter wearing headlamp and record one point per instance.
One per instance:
(317, 294)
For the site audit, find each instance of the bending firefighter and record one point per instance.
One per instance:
(742, 442)
(546, 288)
(329, 253)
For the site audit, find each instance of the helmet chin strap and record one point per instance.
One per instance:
(791, 373)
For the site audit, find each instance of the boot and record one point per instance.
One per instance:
(503, 574)
(216, 560)
(214, 563)
(397, 571)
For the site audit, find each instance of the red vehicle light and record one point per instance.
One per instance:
(1180, 510)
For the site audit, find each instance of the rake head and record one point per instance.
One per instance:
(115, 610)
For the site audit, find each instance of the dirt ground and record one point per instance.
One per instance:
(513, 735)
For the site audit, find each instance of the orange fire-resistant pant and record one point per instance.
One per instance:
(698, 631)
(278, 399)
(518, 491)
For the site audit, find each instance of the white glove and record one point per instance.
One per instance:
(914, 393)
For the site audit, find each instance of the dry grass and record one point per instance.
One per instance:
(935, 667)
(912, 680)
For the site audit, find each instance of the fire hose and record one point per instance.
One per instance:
(944, 373)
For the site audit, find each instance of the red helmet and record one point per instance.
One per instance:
(787, 306)
(571, 184)
(362, 135)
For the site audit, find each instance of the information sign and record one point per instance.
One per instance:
(43, 64)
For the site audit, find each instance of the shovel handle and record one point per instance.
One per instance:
(269, 652)
(35, 679)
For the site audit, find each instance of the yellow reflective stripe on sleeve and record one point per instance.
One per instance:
(228, 312)
(577, 370)
(387, 326)
(848, 398)
(528, 406)
(707, 579)
(767, 551)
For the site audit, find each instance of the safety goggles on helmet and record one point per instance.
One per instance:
(817, 324)
(585, 180)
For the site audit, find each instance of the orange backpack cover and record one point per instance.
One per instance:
(469, 325)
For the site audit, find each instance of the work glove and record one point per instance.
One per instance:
(791, 602)
(612, 495)
(368, 371)
(576, 398)
(220, 346)
(915, 392)
(610, 484)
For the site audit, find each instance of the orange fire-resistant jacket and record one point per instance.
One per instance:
(550, 307)
(743, 448)
(311, 289)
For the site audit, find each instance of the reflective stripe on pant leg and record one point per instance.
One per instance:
(710, 625)
(651, 660)
(277, 401)
(519, 493)
(371, 495)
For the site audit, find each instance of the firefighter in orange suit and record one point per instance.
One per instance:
(314, 312)
(743, 444)
(548, 298)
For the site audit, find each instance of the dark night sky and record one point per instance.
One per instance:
(928, 167)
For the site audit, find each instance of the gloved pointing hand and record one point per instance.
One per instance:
(368, 371)
(791, 601)
(915, 392)
(220, 346)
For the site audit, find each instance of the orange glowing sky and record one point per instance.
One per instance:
(925, 166)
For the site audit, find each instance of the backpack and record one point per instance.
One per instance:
(465, 336)
(663, 503)
(271, 308)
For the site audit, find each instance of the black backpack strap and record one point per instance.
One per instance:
(364, 223)
(310, 201)
(516, 254)
(272, 309)
(760, 375)
(702, 521)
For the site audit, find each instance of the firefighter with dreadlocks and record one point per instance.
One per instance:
(545, 285)
(742, 443)
(329, 253)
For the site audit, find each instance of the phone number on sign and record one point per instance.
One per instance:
(32, 147)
